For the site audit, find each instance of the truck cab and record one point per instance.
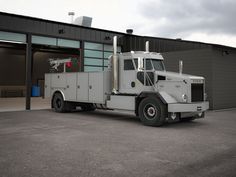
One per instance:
(137, 71)
(175, 96)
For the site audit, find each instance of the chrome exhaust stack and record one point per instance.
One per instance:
(115, 67)
(147, 46)
(180, 67)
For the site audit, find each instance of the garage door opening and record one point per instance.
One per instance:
(12, 76)
(41, 65)
(13, 73)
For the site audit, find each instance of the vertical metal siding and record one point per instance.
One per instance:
(47, 28)
(195, 62)
(224, 79)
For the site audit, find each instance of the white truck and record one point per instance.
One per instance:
(135, 81)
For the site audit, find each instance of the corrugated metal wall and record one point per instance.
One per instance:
(224, 79)
(137, 43)
(48, 28)
(15, 23)
(195, 62)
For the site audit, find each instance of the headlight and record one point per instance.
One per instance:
(184, 98)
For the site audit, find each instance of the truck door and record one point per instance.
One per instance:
(146, 76)
(129, 74)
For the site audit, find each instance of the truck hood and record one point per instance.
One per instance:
(177, 76)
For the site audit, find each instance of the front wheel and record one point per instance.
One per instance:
(152, 112)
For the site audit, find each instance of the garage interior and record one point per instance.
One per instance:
(13, 73)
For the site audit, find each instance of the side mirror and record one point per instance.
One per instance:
(140, 64)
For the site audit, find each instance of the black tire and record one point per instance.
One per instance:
(59, 105)
(152, 112)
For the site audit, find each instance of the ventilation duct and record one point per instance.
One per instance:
(83, 21)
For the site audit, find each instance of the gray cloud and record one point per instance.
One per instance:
(180, 18)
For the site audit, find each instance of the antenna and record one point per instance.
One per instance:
(71, 14)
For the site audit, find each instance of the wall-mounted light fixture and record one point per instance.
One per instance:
(61, 31)
(107, 38)
(225, 52)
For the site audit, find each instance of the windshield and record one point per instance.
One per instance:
(152, 64)
(158, 65)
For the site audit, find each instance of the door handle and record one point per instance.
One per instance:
(90, 87)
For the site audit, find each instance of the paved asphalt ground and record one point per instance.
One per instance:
(106, 144)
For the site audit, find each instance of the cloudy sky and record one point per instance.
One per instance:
(209, 21)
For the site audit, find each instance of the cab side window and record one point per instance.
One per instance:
(146, 78)
(128, 65)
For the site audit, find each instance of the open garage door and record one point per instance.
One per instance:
(12, 71)
(43, 49)
(13, 67)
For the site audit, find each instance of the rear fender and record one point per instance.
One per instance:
(57, 91)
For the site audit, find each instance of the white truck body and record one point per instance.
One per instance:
(87, 87)
(135, 81)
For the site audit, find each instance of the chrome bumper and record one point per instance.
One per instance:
(188, 107)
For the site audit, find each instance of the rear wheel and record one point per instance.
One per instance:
(152, 112)
(59, 105)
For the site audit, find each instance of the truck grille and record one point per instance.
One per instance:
(197, 92)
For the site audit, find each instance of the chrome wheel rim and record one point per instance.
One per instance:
(150, 111)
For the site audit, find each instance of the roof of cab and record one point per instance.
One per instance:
(136, 54)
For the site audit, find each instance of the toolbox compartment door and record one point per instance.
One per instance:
(82, 87)
(70, 91)
(96, 92)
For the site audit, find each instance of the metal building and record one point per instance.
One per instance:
(26, 43)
